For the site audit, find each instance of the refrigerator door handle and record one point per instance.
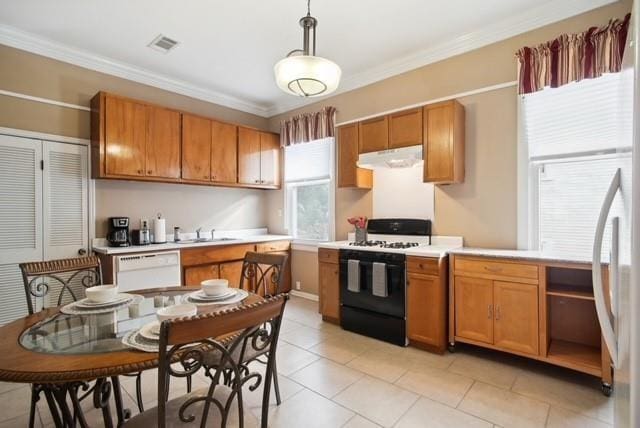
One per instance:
(598, 290)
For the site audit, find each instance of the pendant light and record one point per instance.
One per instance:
(303, 73)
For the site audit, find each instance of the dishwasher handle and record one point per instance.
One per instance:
(133, 262)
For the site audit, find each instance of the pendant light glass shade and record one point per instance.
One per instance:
(307, 75)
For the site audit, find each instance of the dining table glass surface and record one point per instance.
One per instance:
(99, 333)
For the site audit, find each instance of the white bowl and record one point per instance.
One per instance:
(215, 287)
(177, 311)
(101, 293)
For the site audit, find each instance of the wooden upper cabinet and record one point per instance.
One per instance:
(349, 175)
(248, 156)
(516, 317)
(373, 135)
(405, 128)
(125, 134)
(196, 148)
(443, 147)
(269, 159)
(163, 143)
(474, 308)
(224, 152)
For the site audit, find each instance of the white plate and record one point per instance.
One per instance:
(199, 295)
(239, 296)
(120, 298)
(150, 331)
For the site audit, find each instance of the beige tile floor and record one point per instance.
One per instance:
(333, 378)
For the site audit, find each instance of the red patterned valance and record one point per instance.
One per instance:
(572, 57)
(308, 127)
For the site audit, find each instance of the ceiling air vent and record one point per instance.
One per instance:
(163, 44)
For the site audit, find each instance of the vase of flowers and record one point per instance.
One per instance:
(360, 223)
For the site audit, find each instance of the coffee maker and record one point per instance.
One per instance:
(118, 235)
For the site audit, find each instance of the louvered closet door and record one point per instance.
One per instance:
(66, 232)
(20, 219)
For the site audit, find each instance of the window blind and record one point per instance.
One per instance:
(586, 116)
(308, 161)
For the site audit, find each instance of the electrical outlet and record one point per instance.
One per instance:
(279, 213)
(297, 285)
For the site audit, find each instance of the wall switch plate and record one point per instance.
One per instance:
(297, 285)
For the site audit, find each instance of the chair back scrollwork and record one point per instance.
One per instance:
(187, 346)
(263, 273)
(66, 277)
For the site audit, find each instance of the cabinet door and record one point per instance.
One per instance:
(269, 159)
(349, 175)
(125, 137)
(405, 128)
(196, 148)
(474, 308)
(516, 317)
(224, 152)
(231, 271)
(248, 156)
(163, 143)
(195, 275)
(374, 135)
(329, 282)
(443, 148)
(426, 310)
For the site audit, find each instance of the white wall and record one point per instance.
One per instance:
(400, 192)
(186, 206)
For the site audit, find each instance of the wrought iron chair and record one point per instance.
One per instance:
(67, 278)
(186, 346)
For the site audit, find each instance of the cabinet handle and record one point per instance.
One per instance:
(206, 176)
(497, 313)
(213, 177)
(489, 312)
(139, 171)
(149, 172)
(493, 269)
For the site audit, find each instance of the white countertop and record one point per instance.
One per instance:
(105, 249)
(441, 246)
(525, 255)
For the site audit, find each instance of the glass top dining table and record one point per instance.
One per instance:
(102, 333)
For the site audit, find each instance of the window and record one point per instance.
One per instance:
(309, 189)
(576, 137)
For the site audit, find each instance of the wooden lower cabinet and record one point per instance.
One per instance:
(195, 275)
(474, 308)
(225, 261)
(426, 310)
(330, 291)
(516, 317)
(232, 272)
(329, 285)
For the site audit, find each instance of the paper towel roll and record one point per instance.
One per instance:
(159, 231)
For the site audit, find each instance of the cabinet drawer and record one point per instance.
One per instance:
(328, 256)
(498, 268)
(423, 265)
(266, 247)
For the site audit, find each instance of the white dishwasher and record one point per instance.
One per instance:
(147, 270)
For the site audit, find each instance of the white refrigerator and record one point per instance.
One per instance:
(620, 321)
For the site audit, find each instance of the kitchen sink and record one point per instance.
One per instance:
(201, 240)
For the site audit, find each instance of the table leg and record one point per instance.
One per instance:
(60, 394)
(123, 414)
(101, 395)
(51, 402)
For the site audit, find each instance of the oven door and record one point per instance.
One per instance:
(392, 305)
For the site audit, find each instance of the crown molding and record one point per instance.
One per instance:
(35, 44)
(537, 17)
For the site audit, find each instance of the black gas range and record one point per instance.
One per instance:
(373, 282)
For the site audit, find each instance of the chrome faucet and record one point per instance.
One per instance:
(198, 232)
(212, 231)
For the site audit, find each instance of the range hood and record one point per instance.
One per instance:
(393, 158)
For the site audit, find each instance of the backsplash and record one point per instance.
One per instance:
(188, 207)
(400, 192)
